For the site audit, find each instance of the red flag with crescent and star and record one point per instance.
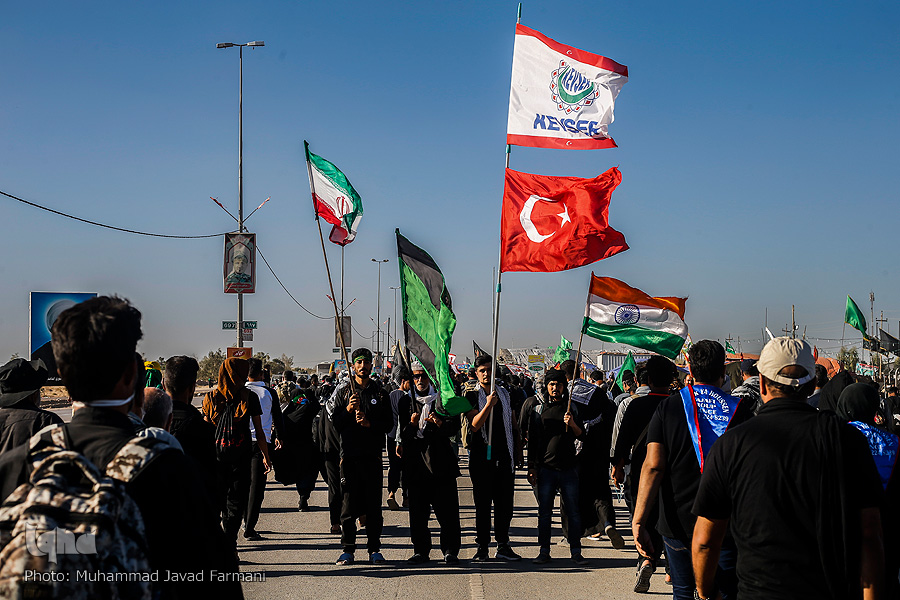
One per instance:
(557, 223)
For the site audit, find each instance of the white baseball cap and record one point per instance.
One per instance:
(783, 352)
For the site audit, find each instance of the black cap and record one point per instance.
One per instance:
(20, 378)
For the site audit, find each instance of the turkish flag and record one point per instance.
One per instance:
(557, 223)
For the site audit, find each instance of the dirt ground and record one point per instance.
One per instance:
(57, 396)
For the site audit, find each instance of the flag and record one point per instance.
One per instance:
(628, 365)
(428, 320)
(557, 223)
(334, 198)
(619, 313)
(870, 343)
(729, 347)
(562, 351)
(560, 97)
(854, 317)
(770, 334)
(397, 361)
(888, 342)
(478, 350)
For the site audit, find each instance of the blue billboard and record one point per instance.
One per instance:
(45, 307)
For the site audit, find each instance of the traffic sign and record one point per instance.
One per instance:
(247, 335)
(233, 325)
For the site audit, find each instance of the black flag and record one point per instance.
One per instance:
(478, 350)
(888, 342)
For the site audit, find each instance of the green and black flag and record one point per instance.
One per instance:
(428, 320)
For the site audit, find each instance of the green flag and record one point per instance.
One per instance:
(628, 365)
(729, 347)
(562, 351)
(428, 320)
(854, 317)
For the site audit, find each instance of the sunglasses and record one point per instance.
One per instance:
(422, 376)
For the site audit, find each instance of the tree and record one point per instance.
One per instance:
(848, 357)
(16, 355)
(210, 364)
(288, 362)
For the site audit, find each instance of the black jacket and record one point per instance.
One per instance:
(22, 420)
(432, 454)
(356, 440)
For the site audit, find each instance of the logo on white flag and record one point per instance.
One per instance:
(570, 89)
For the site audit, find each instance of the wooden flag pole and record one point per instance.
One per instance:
(337, 316)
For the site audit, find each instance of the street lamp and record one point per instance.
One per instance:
(378, 313)
(396, 339)
(240, 322)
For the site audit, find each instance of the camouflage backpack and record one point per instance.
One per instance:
(72, 532)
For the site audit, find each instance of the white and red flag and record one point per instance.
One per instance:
(557, 223)
(561, 97)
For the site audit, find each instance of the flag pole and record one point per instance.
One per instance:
(337, 316)
(494, 357)
(587, 304)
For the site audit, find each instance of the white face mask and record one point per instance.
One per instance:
(107, 403)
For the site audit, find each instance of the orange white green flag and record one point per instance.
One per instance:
(621, 314)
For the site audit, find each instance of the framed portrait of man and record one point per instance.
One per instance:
(240, 263)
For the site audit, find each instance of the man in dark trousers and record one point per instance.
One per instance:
(493, 478)
(631, 445)
(430, 468)
(361, 413)
(403, 378)
(552, 430)
(682, 431)
(94, 344)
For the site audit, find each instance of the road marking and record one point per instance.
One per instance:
(476, 586)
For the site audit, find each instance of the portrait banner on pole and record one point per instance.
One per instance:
(239, 268)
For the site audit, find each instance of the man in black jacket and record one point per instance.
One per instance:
(94, 344)
(360, 411)
(20, 398)
(430, 468)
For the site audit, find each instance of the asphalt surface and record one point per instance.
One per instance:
(297, 555)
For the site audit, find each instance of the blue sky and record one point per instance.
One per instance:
(757, 144)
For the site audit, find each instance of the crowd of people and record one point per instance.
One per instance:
(778, 488)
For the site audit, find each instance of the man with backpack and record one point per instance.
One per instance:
(166, 521)
(271, 424)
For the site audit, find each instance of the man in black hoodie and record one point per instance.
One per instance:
(360, 411)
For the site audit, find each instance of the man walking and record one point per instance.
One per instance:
(799, 491)
(271, 413)
(552, 431)
(361, 414)
(430, 468)
(681, 433)
(403, 378)
(493, 478)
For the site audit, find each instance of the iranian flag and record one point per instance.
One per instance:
(334, 198)
(619, 313)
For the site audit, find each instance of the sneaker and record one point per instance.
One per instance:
(303, 506)
(250, 534)
(376, 558)
(618, 542)
(579, 560)
(392, 502)
(336, 529)
(417, 559)
(481, 555)
(451, 559)
(506, 553)
(345, 559)
(642, 582)
(541, 559)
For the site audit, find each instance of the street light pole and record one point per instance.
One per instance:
(240, 296)
(378, 313)
(396, 339)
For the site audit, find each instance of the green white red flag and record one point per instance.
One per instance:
(334, 198)
(621, 314)
(560, 97)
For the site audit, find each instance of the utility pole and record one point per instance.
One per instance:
(793, 324)
(785, 330)
(872, 322)
(880, 358)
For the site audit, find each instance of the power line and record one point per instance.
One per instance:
(62, 214)
(261, 255)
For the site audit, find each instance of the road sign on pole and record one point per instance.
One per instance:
(229, 324)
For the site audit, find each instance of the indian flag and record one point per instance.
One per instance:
(334, 198)
(619, 313)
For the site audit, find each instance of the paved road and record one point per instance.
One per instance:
(297, 556)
